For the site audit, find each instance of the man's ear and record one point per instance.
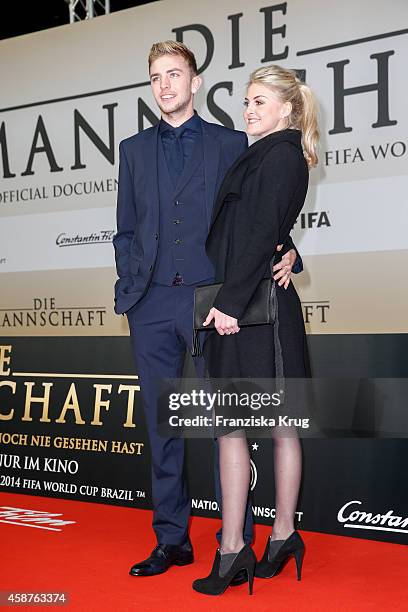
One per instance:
(196, 83)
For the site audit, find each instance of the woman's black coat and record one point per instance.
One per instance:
(256, 208)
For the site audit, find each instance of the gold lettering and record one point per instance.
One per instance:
(4, 360)
(45, 401)
(71, 403)
(40, 440)
(12, 385)
(131, 389)
(16, 438)
(99, 403)
(83, 444)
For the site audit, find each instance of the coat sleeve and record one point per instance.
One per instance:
(279, 176)
(125, 216)
(288, 245)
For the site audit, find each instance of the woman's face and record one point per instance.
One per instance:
(264, 113)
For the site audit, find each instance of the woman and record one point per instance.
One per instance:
(257, 205)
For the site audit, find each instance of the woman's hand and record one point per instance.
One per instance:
(284, 267)
(224, 324)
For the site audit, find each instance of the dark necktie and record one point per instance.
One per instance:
(176, 161)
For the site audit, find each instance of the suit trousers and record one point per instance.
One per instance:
(161, 333)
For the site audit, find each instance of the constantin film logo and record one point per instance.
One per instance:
(352, 517)
(45, 312)
(101, 237)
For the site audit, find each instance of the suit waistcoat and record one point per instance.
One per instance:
(183, 221)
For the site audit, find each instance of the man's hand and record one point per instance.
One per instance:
(223, 323)
(284, 267)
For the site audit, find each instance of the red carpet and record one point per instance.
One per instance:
(90, 560)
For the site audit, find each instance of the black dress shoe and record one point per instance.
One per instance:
(163, 557)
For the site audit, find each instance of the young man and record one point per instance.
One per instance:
(169, 176)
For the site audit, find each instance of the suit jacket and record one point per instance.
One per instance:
(136, 240)
(258, 203)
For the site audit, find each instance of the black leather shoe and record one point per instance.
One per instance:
(163, 557)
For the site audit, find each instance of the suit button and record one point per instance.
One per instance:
(156, 236)
(150, 268)
(177, 241)
(176, 221)
(176, 203)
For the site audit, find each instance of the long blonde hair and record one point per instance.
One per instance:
(288, 88)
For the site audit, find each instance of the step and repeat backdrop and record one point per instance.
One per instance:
(71, 418)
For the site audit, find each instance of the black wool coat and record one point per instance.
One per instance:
(257, 205)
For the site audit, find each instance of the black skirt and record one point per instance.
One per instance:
(251, 353)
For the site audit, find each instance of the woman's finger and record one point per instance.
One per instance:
(210, 317)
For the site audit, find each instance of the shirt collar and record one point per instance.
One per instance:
(192, 124)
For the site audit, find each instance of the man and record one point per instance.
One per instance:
(169, 175)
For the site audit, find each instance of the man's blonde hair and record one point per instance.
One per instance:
(171, 47)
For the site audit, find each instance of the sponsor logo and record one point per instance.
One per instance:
(32, 518)
(101, 237)
(45, 312)
(266, 512)
(313, 220)
(205, 504)
(354, 518)
(259, 511)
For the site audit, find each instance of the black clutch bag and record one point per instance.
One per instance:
(260, 310)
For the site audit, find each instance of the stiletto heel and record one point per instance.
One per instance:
(251, 573)
(299, 554)
(215, 584)
(272, 562)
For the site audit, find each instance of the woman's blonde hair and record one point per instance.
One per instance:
(289, 88)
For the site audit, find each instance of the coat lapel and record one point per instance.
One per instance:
(152, 169)
(231, 185)
(212, 152)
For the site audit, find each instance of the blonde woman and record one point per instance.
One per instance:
(257, 205)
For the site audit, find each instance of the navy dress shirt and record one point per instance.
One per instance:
(178, 143)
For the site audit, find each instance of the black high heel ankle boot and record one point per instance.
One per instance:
(276, 556)
(215, 584)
